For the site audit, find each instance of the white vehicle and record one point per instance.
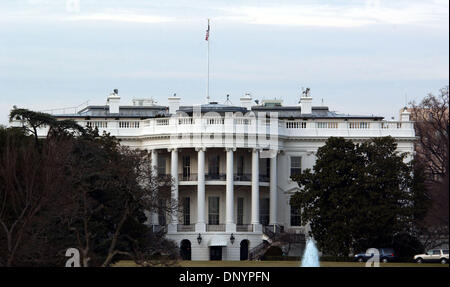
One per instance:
(434, 255)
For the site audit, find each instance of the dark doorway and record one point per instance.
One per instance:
(244, 249)
(185, 249)
(215, 253)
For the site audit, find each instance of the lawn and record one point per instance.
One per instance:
(281, 264)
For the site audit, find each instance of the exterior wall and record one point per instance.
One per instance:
(229, 252)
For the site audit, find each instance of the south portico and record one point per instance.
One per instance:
(220, 201)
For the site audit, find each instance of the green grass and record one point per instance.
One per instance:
(280, 264)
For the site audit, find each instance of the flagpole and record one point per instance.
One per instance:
(207, 83)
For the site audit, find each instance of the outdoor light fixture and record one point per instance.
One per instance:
(199, 238)
(232, 238)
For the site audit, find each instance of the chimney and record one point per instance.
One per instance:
(246, 101)
(174, 103)
(405, 115)
(113, 102)
(306, 102)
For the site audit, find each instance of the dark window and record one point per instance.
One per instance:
(162, 212)
(161, 165)
(240, 166)
(214, 164)
(213, 211)
(240, 211)
(296, 165)
(264, 207)
(264, 166)
(186, 167)
(295, 217)
(187, 211)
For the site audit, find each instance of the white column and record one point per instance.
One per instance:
(273, 190)
(155, 220)
(229, 216)
(255, 190)
(174, 174)
(200, 226)
(155, 161)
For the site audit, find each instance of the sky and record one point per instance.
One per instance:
(357, 57)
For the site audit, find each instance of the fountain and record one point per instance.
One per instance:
(311, 255)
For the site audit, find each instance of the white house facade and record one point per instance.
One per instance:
(232, 165)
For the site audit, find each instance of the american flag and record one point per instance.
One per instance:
(207, 32)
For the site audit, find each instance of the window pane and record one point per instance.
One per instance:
(213, 210)
(187, 211)
(295, 217)
(240, 211)
(296, 165)
(161, 165)
(264, 206)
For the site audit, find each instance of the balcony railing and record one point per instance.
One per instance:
(185, 227)
(244, 228)
(243, 177)
(187, 177)
(222, 177)
(215, 227)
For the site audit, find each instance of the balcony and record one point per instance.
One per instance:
(215, 227)
(185, 227)
(222, 177)
(244, 228)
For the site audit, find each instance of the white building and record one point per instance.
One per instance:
(233, 170)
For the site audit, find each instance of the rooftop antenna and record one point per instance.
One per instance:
(322, 102)
(228, 101)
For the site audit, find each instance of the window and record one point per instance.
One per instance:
(213, 211)
(240, 211)
(186, 167)
(296, 165)
(445, 251)
(295, 217)
(187, 211)
(264, 166)
(240, 166)
(264, 209)
(161, 165)
(214, 163)
(162, 212)
(436, 252)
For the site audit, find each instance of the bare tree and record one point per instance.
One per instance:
(29, 181)
(432, 129)
(431, 118)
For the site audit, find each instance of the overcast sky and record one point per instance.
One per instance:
(359, 57)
